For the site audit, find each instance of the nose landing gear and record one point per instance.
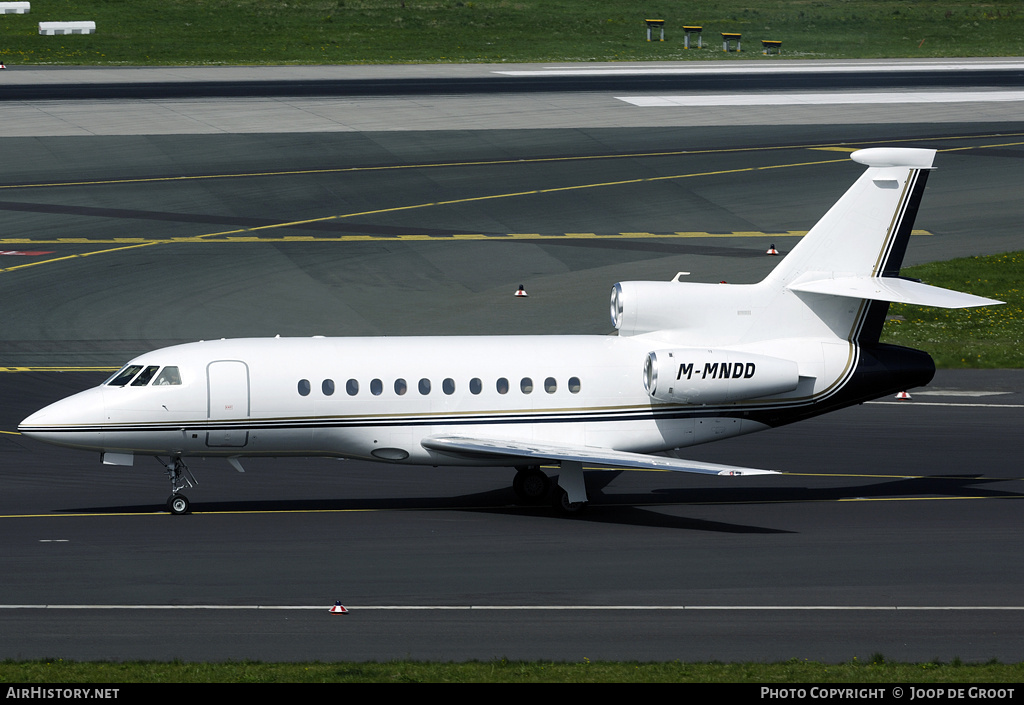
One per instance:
(178, 504)
(180, 477)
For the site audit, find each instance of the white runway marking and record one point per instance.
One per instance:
(565, 608)
(956, 393)
(704, 100)
(783, 67)
(949, 403)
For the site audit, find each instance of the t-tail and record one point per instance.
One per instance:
(846, 271)
(824, 304)
(854, 253)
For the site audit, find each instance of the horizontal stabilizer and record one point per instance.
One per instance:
(487, 448)
(901, 291)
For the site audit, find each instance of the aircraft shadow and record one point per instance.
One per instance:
(628, 509)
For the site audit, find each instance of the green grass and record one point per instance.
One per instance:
(875, 670)
(183, 32)
(985, 337)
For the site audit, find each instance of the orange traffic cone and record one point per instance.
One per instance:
(772, 250)
(521, 291)
(903, 395)
(338, 608)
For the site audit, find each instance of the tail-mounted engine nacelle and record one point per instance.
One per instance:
(641, 306)
(702, 376)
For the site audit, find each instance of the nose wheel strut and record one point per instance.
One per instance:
(180, 477)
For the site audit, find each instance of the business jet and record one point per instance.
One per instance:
(690, 363)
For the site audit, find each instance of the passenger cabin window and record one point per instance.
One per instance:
(168, 376)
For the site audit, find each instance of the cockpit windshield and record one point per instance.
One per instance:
(147, 374)
(123, 376)
(168, 376)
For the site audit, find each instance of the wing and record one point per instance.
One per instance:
(491, 449)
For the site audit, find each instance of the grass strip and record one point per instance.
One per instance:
(987, 337)
(187, 32)
(873, 670)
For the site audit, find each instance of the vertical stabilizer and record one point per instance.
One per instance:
(864, 234)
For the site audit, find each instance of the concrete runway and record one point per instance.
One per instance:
(896, 531)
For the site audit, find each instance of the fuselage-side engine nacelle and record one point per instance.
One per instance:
(705, 376)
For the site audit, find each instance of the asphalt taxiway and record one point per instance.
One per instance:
(894, 530)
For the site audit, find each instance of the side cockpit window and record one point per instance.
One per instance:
(168, 376)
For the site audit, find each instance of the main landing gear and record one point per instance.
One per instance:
(532, 486)
(180, 477)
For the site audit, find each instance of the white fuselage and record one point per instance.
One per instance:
(378, 398)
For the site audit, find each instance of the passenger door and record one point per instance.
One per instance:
(228, 385)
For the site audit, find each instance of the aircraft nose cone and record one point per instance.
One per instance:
(74, 421)
(31, 421)
(44, 417)
(59, 414)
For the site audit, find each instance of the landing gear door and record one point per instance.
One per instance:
(228, 385)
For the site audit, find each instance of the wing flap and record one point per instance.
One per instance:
(492, 448)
